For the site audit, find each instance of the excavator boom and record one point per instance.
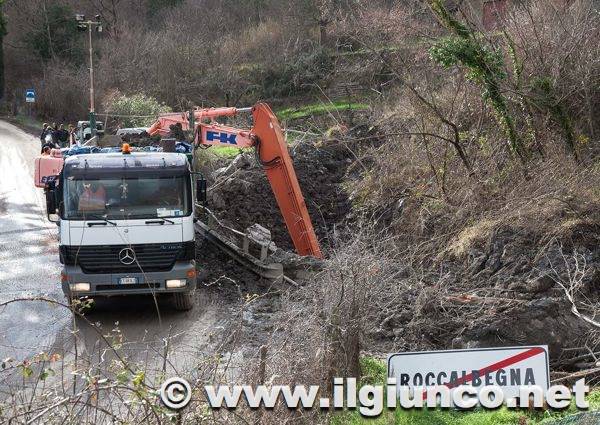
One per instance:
(275, 158)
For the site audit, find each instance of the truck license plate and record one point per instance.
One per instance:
(128, 280)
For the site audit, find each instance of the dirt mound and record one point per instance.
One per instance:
(240, 194)
(503, 285)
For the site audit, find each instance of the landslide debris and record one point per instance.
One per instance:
(483, 273)
(240, 194)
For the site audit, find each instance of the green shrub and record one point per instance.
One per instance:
(137, 110)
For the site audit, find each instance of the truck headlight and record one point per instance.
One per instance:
(176, 283)
(80, 287)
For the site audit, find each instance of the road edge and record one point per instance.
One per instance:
(29, 128)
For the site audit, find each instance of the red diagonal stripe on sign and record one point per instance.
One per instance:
(494, 367)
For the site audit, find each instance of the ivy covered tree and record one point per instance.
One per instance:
(485, 66)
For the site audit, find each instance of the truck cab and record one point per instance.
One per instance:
(84, 132)
(126, 225)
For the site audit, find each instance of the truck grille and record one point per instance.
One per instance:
(122, 288)
(107, 258)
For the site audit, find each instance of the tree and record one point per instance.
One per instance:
(3, 32)
(56, 35)
(157, 5)
(484, 65)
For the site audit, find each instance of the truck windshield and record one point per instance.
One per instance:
(127, 198)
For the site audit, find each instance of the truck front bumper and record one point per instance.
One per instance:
(107, 284)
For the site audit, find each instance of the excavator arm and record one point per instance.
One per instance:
(161, 126)
(268, 140)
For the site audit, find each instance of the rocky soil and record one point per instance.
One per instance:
(242, 195)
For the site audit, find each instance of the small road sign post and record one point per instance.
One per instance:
(30, 96)
(30, 100)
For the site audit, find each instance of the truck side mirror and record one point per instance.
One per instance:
(201, 190)
(51, 204)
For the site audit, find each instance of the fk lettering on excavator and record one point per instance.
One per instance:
(215, 136)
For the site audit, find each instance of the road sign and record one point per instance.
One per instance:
(507, 368)
(30, 95)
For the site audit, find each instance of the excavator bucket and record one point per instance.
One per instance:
(274, 156)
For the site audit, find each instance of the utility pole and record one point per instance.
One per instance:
(84, 24)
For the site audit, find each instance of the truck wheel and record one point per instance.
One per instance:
(184, 301)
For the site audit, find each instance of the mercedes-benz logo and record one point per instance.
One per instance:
(127, 256)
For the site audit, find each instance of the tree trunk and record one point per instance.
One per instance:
(2, 67)
(323, 41)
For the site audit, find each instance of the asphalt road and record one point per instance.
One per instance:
(28, 252)
(29, 267)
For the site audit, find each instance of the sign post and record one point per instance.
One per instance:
(30, 100)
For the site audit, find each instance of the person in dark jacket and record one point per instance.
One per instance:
(54, 132)
(63, 136)
(176, 132)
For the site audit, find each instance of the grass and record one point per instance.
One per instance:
(27, 122)
(225, 151)
(215, 152)
(374, 373)
(361, 52)
(320, 109)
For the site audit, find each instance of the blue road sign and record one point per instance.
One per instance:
(30, 95)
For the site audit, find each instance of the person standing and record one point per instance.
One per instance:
(43, 134)
(72, 135)
(63, 136)
(176, 132)
(54, 132)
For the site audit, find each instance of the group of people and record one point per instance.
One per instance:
(56, 137)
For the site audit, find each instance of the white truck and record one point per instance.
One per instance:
(84, 132)
(127, 219)
(126, 225)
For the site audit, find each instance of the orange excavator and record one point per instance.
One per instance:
(267, 138)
